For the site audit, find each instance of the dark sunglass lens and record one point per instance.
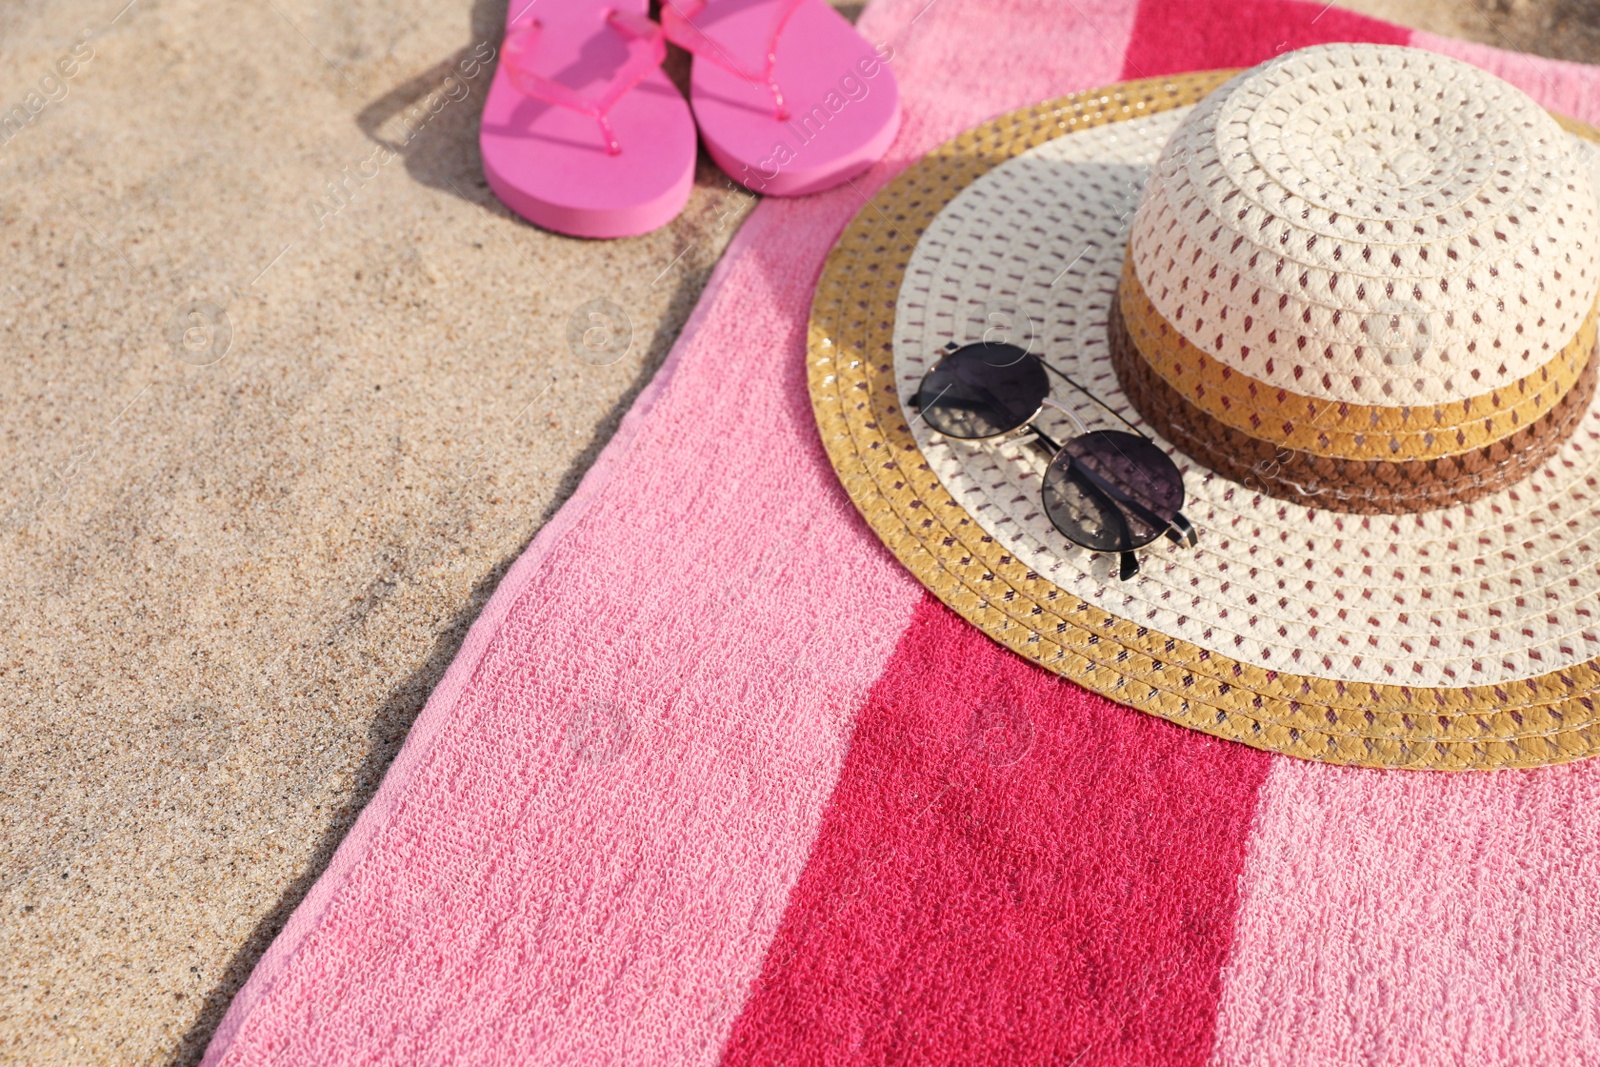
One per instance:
(983, 390)
(1083, 514)
(1112, 491)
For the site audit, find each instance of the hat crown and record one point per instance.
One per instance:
(1372, 224)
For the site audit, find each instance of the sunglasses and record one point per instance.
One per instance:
(1105, 490)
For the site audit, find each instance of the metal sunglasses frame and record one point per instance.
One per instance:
(1179, 529)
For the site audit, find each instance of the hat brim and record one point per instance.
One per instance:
(1213, 638)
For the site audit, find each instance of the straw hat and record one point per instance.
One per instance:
(1363, 278)
(1353, 292)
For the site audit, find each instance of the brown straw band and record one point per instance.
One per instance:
(1360, 486)
(1396, 433)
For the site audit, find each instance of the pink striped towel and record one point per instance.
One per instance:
(714, 780)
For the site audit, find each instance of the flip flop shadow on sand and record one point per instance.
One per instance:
(430, 122)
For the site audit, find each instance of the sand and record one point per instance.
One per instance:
(276, 416)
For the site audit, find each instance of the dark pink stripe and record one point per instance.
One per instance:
(1011, 870)
(1171, 36)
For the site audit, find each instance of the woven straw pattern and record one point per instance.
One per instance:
(1348, 431)
(1336, 188)
(1082, 625)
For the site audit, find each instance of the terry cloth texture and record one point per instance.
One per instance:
(713, 779)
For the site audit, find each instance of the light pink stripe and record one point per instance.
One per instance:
(1571, 88)
(510, 896)
(1418, 918)
(1413, 918)
(513, 895)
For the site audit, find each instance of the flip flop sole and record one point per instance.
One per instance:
(843, 101)
(550, 164)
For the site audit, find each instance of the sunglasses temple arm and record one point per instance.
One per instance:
(1128, 561)
(1180, 530)
(1118, 497)
(1096, 400)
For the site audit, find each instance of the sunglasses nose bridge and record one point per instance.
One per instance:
(1052, 403)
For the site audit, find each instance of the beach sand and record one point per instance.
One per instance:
(276, 416)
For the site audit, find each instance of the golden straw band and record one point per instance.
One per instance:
(1339, 430)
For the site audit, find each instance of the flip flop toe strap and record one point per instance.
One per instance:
(647, 48)
(676, 16)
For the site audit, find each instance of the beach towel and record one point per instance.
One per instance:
(713, 780)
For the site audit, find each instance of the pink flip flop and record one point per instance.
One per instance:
(789, 97)
(582, 133)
